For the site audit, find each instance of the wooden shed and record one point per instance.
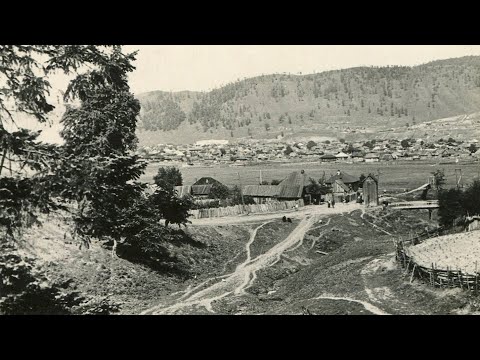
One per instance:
(261, 194)
(370, 191)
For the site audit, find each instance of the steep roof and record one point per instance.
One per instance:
(292, 186)
(346, 178)
(207, 180)
(370, 176)
(261, 190)
(341, 155)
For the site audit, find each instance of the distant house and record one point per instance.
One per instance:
(371, 157)
(328, 158)
(386, 157)
(342, 156)
(370, 191)
(358, 156)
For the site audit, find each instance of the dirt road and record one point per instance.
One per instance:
(242, 277)
(301, 213)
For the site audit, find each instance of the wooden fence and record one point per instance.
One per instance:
(444, 278)
(245, 209)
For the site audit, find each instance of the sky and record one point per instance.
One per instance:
(203, 67)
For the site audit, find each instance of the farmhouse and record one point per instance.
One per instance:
(202, 187)
(293, 186)
(342, 156)
(347, 179)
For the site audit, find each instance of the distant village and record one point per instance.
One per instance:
(242, 153)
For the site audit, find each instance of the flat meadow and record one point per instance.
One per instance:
(394, 176)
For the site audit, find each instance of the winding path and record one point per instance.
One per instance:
(242, 277)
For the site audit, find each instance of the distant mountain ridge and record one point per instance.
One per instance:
(352, 101)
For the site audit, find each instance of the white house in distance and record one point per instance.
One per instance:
(211, 142)
(342, 156)
(371, 157)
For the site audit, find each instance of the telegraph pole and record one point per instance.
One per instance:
(241, 189)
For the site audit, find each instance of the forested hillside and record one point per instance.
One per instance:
(324, 103)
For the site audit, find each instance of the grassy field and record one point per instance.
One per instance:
(394, 176)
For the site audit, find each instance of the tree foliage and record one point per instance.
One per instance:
(219, 191)
(439, 179)
(168, 177)
(25, 71)
(311, 144)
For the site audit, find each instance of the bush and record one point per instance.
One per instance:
(450, 206)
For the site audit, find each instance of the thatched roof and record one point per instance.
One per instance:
(261, 190)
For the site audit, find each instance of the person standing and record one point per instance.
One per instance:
(333, 203)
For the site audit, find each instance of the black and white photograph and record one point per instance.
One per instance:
(239, 180)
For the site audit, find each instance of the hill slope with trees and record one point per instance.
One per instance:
(324, 103)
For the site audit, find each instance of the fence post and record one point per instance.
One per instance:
(448, 277)
(476, 283)
(432, 278)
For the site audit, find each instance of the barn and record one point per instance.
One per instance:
(201, 191)
(202, 187)
(261, 194)
(370, 191)
(293, 186)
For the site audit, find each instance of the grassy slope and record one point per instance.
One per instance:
(93, 271)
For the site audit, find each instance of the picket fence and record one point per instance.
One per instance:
(245, 209)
